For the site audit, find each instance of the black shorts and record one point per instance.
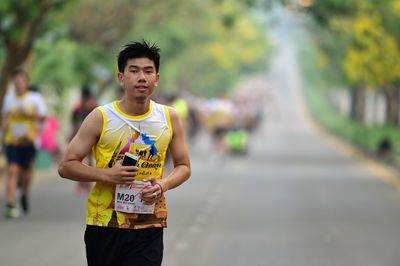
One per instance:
(107, 246)
(23, 156)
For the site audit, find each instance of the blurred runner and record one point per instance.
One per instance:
(236, 140)
(219, 120)
(181, 108)
(85, 106)
(46, 132)
(22, 112)
(193, 122)
(48, 137)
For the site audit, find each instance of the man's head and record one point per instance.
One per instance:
(21, 81)
(138, 65)
(85, 92)
(139, 50)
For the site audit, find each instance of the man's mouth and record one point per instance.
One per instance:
(141, 87)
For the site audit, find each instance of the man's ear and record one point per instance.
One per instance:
(157, 79)
(120, 77)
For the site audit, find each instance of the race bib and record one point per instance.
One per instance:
(19, 130)
(127, 198)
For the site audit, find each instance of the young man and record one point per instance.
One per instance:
(126, 209)
(22, 112)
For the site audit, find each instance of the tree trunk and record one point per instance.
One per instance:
(392, 105)
(5, 74)
(358, 104)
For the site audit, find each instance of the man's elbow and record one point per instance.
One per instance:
(189, 172)
(62, 169)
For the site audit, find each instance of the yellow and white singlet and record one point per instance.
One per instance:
(21, 129)
(147, 136)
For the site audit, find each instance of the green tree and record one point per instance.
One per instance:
(206, 45)
(373, 60)
(81, 50)
(368, 47)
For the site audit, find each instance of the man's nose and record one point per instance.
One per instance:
(141, 75)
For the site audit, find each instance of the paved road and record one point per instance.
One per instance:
(294, 200)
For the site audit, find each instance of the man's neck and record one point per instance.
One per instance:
(134, 107)
(22, 94)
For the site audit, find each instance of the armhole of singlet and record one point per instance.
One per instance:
(103, 129)
(168, 117)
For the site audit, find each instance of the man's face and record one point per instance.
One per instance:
(139, 78)
(21, 83)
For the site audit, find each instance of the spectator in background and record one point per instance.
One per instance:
(22, 112)
(86, 104)
(47, 132)
(220, 120)
(48, 137)
(181, 108)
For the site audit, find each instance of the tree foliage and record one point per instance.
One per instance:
(206, 45)
(104, 24)
(369, 31)
(373, 59)
(324, 11)
(368, 52)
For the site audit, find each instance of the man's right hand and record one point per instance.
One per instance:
(120, 174)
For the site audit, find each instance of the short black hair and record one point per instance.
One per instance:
(33, 87)
(20, 71)
(139, 50)
(86, 92)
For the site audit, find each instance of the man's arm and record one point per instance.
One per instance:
(41, 107)
(71, 165)
(179, 154)
(180, 159)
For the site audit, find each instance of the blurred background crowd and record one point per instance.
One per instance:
(349, 58)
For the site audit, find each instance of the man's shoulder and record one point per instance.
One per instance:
(36, 98)
(160, 106)
(35, 95)
(8, 98)
(105, 105)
